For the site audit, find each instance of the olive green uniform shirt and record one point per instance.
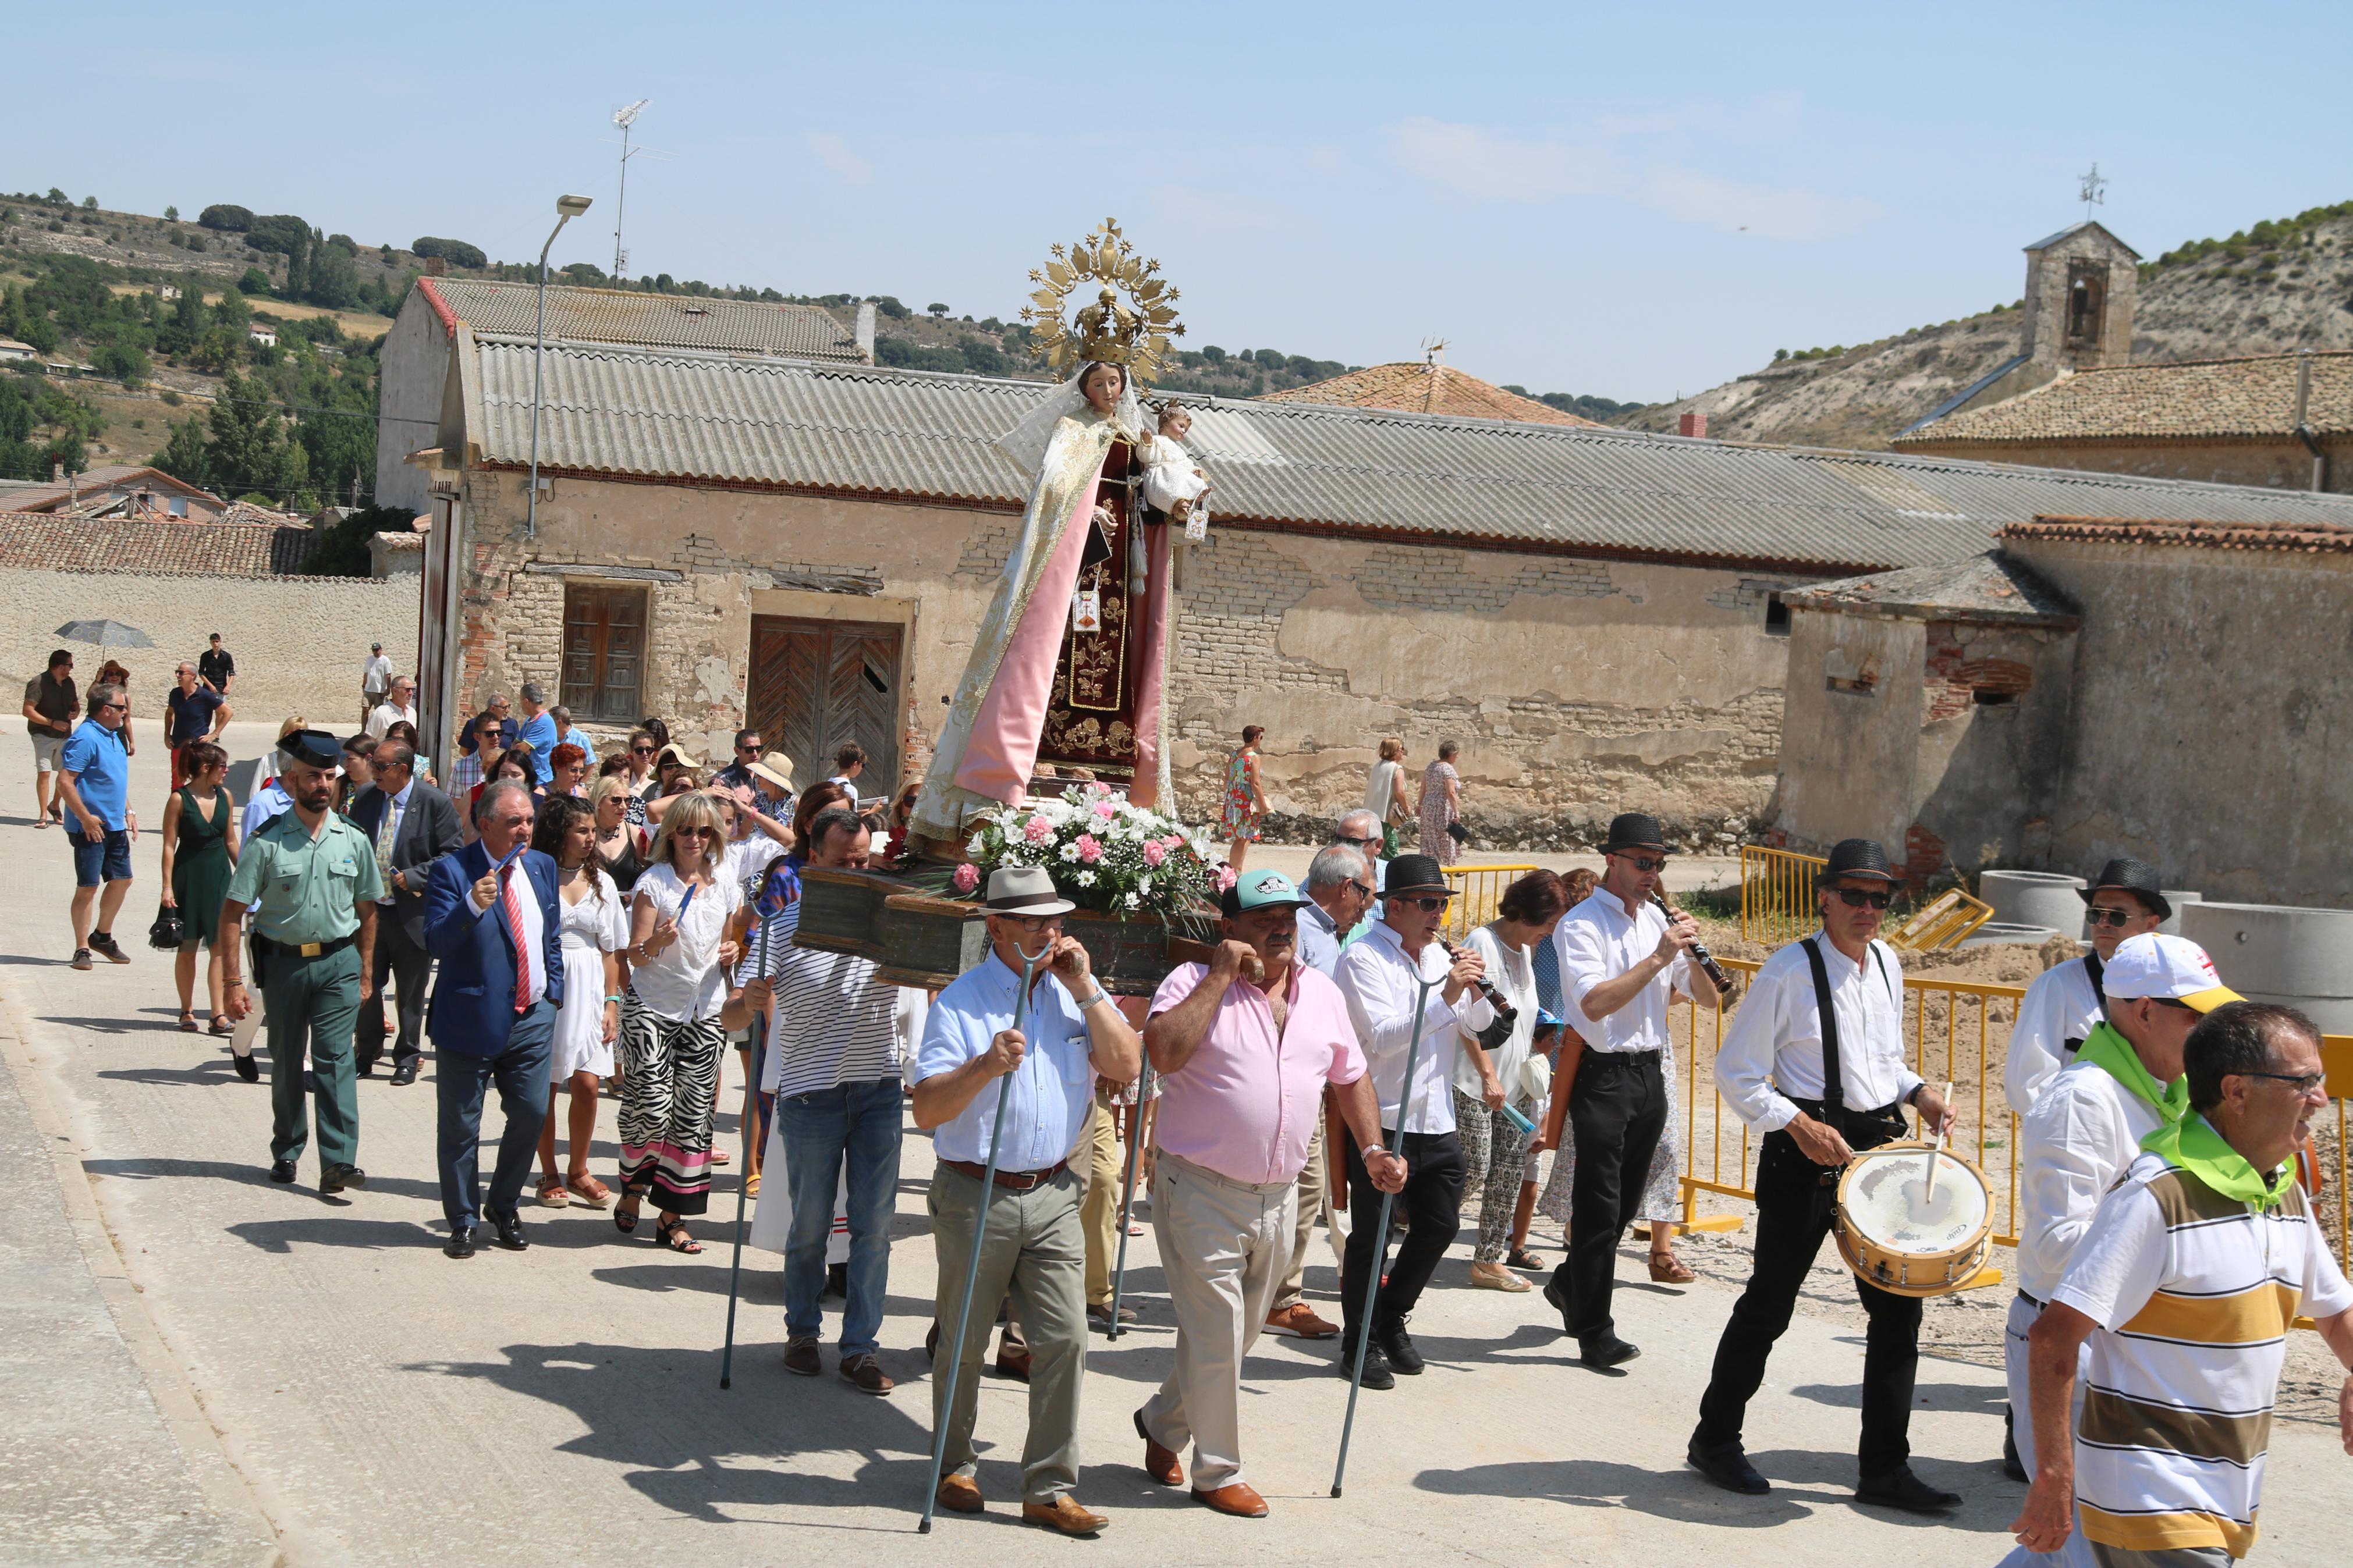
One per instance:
(298, 889)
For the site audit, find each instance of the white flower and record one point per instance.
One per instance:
(975, 846)
(1086, 879)
(1070, 852)
(1132, 901)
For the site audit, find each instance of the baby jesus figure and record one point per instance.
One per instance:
(1173, 483)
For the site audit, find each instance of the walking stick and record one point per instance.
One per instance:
(743, 1174)
(1127, 1188)
(1380, 1242)
(972, 1265)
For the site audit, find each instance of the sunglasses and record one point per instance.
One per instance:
(1428, 905)
(2100, 917)
(1855, 898)
(641, 751)
(1645, 862)
(1363, 888)
(1363, 843)
(698, 833)
(747, 750)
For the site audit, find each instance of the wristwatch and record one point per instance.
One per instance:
(1100, 995)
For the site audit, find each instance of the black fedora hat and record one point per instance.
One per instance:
(2138, 878)
(1855, 858)
(1634, 830)
(1415, 874)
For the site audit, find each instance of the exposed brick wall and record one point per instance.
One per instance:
(1404, 577)
(1924, 857)
(1953, 677)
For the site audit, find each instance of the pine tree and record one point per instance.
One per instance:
(185, 457)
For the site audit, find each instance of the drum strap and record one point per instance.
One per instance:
(1834, 1091)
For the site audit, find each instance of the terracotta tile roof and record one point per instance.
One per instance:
(2310, 539)
(1985, 587)
(1417, 388)
(45, 495)
(627, 316)
(2193, 400)
(152, 549)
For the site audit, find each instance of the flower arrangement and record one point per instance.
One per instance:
(1103, 851)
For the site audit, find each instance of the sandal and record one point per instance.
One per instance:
(1669, 1269)
(188, 1020)
(624, 1220)
(672, 1234)
(1520, 1257)
(552, 1192)
(595, 1193)
(221, 1026)
(720, 1156)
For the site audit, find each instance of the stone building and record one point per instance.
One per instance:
(1596, 614)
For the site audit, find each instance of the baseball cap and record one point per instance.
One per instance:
(2172, 967)
(1259, 890)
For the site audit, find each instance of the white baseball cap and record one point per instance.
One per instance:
(2172, 968)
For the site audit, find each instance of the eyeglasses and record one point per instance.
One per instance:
(2304, 1083)
(1430, 905)
(2100, 917)
(1855, 898)
(109, 707)
(1362, 843)
(1363, 888)
(1037, 924)
(641, 751)
(1645, 862)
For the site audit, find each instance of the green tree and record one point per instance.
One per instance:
(249, 449)
(89, 204)
(334, 279)
(120, 361)
(342, 547)
(170, 215)
(20, 459)
(185, 456)
(227, 217)
(255, 281)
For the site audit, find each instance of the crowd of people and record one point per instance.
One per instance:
(554, 923)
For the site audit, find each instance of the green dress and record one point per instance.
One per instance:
(200, 867)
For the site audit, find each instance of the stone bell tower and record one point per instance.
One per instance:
(2081, 284)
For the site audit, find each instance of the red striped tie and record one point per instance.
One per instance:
(510, 908)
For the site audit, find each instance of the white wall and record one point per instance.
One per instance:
(416, 362)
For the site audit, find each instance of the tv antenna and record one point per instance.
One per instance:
(2092, 191)
(624, 118)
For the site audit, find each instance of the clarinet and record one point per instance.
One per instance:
(1706, 961)
(1495, 999)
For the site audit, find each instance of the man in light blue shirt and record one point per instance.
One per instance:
(538, 730)
(94, 782)
(1044, 1071)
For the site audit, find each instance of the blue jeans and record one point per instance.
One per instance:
(460, 1080)
(856, 1125)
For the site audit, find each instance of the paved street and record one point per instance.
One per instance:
(202, 1367)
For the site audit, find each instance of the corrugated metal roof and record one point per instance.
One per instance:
(627, 316)
(687, 416)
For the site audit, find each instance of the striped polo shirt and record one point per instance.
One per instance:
(2193, 1292)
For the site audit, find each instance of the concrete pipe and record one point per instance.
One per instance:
(2033, 898)
(2275, 952)
(2177, 897)
(2006, 931)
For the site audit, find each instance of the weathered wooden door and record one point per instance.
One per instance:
(815, 684)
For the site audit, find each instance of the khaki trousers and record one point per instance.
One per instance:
(1033, 1241)
(1313, 1195)
(1223, 1244)
(1099, 1147)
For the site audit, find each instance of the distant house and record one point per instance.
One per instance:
(53, 542)
(10, 349)
(1414, 387)
(263, 333)
(114, 490)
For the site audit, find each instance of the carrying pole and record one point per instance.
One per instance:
(743, 1172)
(1380, 1241)
(1127, 1187)
(955, 1346)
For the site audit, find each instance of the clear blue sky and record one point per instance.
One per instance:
(1632, 202)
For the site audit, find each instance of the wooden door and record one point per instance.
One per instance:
(815, 684)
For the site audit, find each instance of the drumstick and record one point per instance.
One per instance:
(1936, 1154)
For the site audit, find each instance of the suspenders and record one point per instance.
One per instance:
(2092, 968)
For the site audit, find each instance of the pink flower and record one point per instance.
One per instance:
(1154, 852)
(1089, 849)
(1227, 877)
(1037, 830)
(968, 878)
(1106, 810)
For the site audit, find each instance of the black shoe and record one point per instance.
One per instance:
(310, 1081)
(1397, 1345)
(363, 1066)
(282, 1171)
(405, 1074)
(1558, 1300)
(836, 1282)
(335, 1178)
(1902, 1489)
(1602, 1353)
(1376, 1365)
(2011, 1465)
(247, 1067)
(507, 1228)
(460, 1243)
(1728, 1467)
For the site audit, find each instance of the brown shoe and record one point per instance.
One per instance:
(1300, 1321)
(1013, 1363)
(1161, 1464)
(801, 1358)
(1238, 1500)
(865, 1374)
(959, 1494)
(1063, 1514)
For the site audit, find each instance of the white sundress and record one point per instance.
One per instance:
(590, 929)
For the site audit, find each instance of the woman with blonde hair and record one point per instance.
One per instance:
(671, 1039)
(620, 846)
(1385, 793)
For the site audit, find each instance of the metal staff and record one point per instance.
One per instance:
(1381, 1239)
(1127, 1188)
(743, 1178)
(972, 1268)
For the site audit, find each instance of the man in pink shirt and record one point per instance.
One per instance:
(1244, 1047)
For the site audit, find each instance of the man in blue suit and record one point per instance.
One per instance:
(493, 918)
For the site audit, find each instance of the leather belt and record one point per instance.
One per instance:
(1012, 1181)
(2031, 1302)
(305, 949)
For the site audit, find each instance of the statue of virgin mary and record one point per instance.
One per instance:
(1068, 666)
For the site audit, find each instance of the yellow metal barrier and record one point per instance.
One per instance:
(1777, 894)
(1950, 916)
(1477, 891)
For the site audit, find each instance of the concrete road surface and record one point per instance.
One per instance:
(201, 1367)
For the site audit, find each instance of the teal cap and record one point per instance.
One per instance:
(1259, 890)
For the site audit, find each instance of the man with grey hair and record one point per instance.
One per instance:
(538, 730)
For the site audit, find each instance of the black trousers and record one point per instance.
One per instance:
(1793, 1216)
(1618, 1110)
(409, 966)
(1432, 1205)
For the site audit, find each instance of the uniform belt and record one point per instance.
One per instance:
(305, 949)
(1629, 1058)
(1013, 1181)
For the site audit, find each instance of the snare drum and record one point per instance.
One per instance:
(1900, 1234)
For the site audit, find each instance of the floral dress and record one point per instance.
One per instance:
(1437, 813)
(1240, 816)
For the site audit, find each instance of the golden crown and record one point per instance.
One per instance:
(1134, 330)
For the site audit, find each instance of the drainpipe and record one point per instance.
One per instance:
(2303, 427)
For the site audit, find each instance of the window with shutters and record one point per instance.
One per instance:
(604, 651)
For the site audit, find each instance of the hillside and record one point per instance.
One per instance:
(2279, 286)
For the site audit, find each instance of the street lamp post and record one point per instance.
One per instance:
(566, 209)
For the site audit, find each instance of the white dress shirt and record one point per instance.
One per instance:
(2059, 1007)
(1773, 1051)
(533, 958)
(1600, 940)
(2083, 1134)
(1378, 981)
